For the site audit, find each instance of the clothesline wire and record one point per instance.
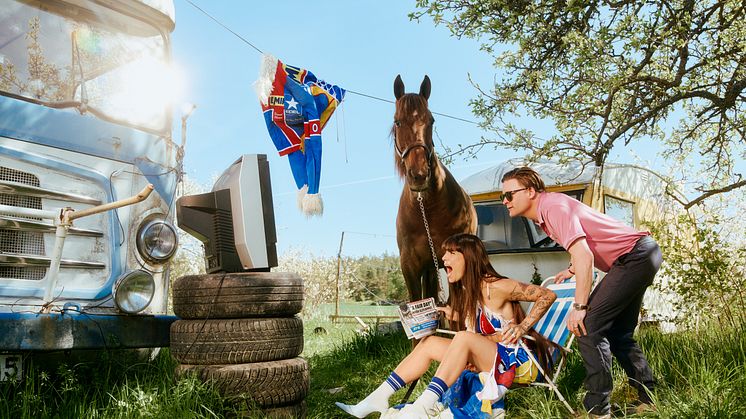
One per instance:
(224, 26)
(214, 19)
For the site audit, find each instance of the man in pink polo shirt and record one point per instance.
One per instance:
(605, 320)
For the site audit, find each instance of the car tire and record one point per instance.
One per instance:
(238, 295)
(236, 341)
(265, 384)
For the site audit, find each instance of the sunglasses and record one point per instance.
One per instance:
(509, 194)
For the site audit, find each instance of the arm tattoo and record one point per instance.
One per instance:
(524, 292)
(539, 308)
(543, 299)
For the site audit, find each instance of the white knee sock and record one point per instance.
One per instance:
(378, 400)
(432, 393)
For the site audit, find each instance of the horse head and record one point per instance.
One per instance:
(413, 136)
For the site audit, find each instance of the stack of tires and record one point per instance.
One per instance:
(240, 332)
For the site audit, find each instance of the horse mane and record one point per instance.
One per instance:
(406, 106)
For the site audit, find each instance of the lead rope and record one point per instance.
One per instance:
(429, 242)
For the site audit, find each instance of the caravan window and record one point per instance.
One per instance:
(620, 209)
(500, 233)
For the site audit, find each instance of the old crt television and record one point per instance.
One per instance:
(236, 221)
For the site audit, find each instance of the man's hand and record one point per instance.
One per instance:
(563, 275)
(575, 322)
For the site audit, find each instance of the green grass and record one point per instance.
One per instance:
(700, 375)
(115, 384)
(335, 334)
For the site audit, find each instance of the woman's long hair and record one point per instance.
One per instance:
(466, 293)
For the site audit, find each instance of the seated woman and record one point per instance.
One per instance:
(486, 314)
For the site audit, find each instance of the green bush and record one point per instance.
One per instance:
(704, 269)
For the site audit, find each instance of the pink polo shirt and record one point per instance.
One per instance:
(566, 219)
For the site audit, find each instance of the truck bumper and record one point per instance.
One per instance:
(73, 330)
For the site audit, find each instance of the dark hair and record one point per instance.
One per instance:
(527, 177)
(466, 293)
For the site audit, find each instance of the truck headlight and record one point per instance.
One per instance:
(134, 291)
(156, 240)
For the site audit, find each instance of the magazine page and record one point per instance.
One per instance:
(419, 318)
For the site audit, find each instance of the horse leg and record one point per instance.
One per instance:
(412, 276)
(431, 284)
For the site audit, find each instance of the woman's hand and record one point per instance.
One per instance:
(513, 333)
(497, 337)
(447, 311)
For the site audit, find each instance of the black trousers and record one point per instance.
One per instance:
(610, 323)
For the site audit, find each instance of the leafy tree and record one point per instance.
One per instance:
(44, 80)
(377, 278)
(611, 72)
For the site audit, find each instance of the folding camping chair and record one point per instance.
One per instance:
(553, 326)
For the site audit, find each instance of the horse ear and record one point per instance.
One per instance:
(398, 87)
(425, 88)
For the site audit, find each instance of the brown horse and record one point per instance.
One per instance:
(448, 208)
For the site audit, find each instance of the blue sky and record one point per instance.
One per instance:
(359, 45)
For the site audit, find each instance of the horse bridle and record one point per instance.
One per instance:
(403, 154)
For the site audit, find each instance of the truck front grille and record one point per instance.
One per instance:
(21, 242)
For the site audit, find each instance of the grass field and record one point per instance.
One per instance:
(700, 375)
(332, 335)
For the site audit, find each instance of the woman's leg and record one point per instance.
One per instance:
(431, 348)
(410, 368)
(465, 347)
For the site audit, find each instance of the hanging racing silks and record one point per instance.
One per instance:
(296, 107)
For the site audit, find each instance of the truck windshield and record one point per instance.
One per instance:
(501, 234)
(63, 55)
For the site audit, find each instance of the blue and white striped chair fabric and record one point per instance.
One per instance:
(553, 325)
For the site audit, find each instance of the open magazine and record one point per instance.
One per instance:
(419, 318)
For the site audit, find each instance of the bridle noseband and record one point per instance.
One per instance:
(403, 154)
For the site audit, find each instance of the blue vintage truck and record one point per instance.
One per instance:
(85, 121)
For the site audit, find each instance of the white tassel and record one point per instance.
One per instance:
(313, 205)
(301, 194)
(263, 85)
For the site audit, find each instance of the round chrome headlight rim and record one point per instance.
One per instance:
(134, 291)
(156, 240)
